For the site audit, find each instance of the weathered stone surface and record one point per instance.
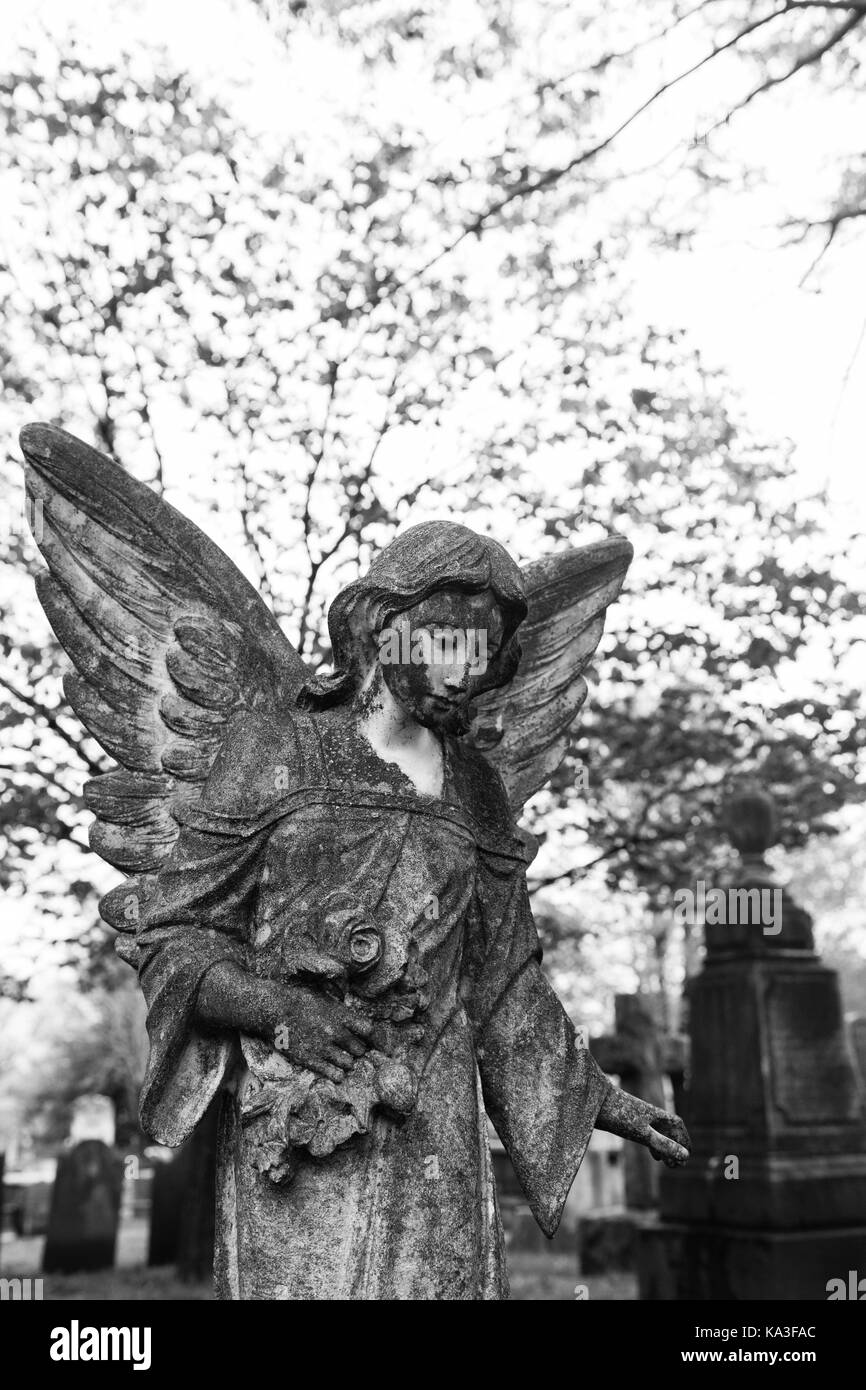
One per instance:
(85, 1209)
(326, 894)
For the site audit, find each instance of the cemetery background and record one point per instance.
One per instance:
(320, 272)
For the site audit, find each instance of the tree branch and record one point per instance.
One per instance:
(148, 421)
(49, 717)
(552, 176)
(813, 56)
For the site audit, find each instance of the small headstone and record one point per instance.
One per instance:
(93, 1117)
(85, 1209)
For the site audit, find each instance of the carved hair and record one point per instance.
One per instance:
(422, 561)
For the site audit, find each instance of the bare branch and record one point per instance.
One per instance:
(306, 517)
(349, 524)
(809, 59)
(49, 717)
(831, 225)
(578, 870)
(552, 176)
(250, 534)
(148, 421)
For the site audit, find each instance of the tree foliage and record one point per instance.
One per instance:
(409, 297)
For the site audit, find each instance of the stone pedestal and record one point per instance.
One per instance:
(773, 1201)
(682, 1262)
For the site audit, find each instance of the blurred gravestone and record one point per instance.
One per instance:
(773, 1201)
(85, 1209)
(93, 1117)
(641, 1054)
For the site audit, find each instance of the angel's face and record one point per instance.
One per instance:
(434, 657)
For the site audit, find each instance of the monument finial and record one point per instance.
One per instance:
(751, 821)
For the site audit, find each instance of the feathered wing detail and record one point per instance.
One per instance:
(168, 641)
(524, 729)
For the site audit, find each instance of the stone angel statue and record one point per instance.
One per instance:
(325, 885)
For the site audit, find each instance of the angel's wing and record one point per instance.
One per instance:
(524, 728)
(168, 641)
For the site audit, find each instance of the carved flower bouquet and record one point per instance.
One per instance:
(287, 1108)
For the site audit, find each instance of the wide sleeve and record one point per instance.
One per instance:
(542, 1089)
(197, 915)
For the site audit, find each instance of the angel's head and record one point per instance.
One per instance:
(436, 615)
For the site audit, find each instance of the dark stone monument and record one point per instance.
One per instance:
(85, 1210)
(773, 1204)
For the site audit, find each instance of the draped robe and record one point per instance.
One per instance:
(408, 1209)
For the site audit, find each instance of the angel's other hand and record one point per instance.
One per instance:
(664, 1135)
(668, 1139)
(317, 1031)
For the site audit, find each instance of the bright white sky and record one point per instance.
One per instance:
(797, 356)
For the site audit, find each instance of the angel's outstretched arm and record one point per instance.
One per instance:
(542, 1092)
(543, 1089)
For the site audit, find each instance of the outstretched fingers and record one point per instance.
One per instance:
(669, 1140)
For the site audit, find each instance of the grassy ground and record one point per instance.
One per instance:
(544, 1276)
(553, 1278)
(534, 1278)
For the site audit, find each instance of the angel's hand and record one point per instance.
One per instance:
(317, 1031)
(664, 1135)
(668, 1139)
(304, 1024)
